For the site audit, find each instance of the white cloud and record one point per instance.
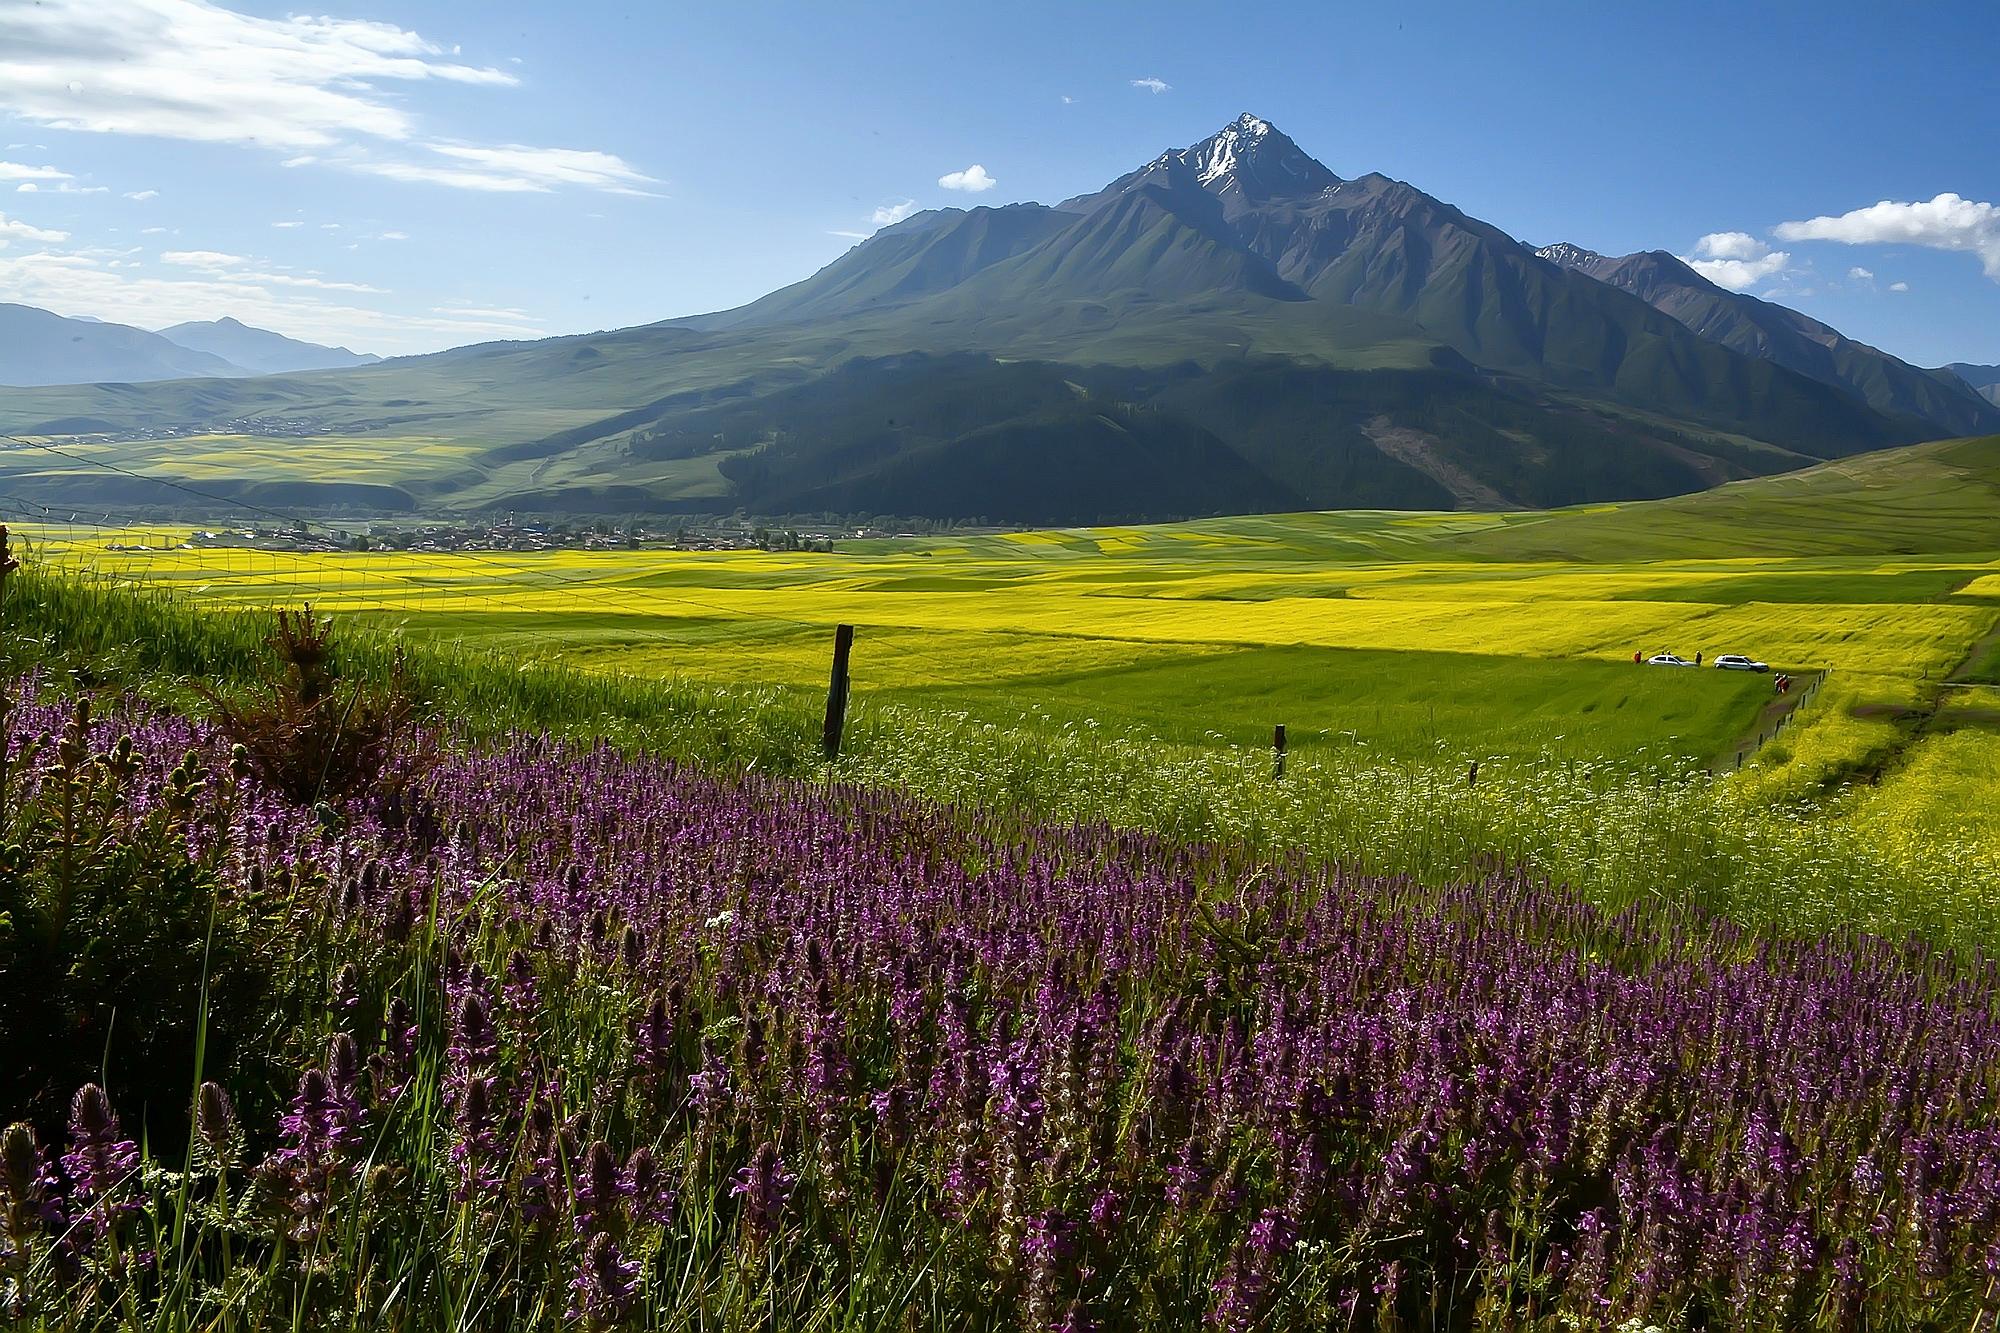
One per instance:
(512, 169)
(457, 177)
(1736, 260)
(973, 180)
(1859, 274)
(1899, 286)
(316, 88)
(1730, 245)
(1740, 275)
(548, 167)
(13, 229)
(851, 235)
(888, 215)
(86, 282)
(188, 69)
(1153, 85)
(17, 171)
(61, 187)
(1948, 222)
(507, 313)
(292, 222)
(151, 231)
(394, 236)
(1068, 100)
(329, 226)
(205, 259)
(239, 268)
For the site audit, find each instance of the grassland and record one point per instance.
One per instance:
(1114, 671)
(1505, 657)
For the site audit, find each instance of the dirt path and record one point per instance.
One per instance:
(1772, 718)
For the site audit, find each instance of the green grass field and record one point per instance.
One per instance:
(1427, 640)
(1135, 674)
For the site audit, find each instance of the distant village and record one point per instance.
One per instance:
(726, 534)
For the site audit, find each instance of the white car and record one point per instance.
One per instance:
(1738, 662)
(1668, 659)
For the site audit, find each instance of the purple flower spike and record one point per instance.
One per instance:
(764, 1186)
(100, 1164)
(603, 1290)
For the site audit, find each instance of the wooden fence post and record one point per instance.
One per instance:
(836, 692)
(1278, 751)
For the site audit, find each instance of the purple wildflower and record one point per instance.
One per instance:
(604, 1288)
(764, 1186)
(100, 1164)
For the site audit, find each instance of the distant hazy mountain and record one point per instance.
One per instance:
(1985, 380)
(259, 351)
(1777, 333)
(1230, 327)
(37, 347)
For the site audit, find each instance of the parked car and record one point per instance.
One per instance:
(1668, 659)
(1738, 662)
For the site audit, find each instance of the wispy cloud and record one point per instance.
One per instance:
(288, 224)
(1859, 274)
(141, 196)
(102, 283)
(60, 187)
(973, 180)
(1153, 85)
(13, 229)
(187, 69)
(1899, 286)
(851, 235)
(1736, 260)
(319, 89)
(888, 215)
(1948, 222)
(240, 268)
(549, 167)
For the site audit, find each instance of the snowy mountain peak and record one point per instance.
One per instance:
(1567, 255)
(1253, 157)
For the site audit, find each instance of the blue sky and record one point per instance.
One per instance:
(406, 176)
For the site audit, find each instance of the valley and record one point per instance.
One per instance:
(912, 685)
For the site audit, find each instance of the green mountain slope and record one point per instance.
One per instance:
(1230, 326)
(1940, 498)
(1775, 333)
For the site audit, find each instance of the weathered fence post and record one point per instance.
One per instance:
(1278, 751)
(836, 692)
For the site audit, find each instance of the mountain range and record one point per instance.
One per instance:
(1985, 380)
(1229, 327)
(41, 348)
